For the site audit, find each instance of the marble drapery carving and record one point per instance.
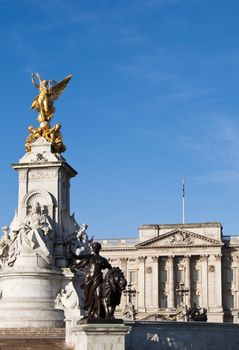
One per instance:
(35, 233)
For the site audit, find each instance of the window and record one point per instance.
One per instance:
(180, 277)
(196, 299)
(178, 299)
(196, 275)
(133, 300)
(132, 277)
(229, 275)
(163, 275)
(163, 301)
(230, 301)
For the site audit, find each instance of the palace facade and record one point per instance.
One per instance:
(167, 259)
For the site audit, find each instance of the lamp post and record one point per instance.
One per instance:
(131, 293)
(181, 291)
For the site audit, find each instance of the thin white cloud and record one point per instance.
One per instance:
(216, 177)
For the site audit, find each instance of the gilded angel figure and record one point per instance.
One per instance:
(49, 91)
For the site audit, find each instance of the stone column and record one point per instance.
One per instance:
(187, 280)
(171, 287)
(141, 283)
(204, 281)
(218, 281)
(155, 282)
(215, 313)
(123, 265)
(23, 189)
(237, 283)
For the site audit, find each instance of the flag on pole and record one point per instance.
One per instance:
(183, 201)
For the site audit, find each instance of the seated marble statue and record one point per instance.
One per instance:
(35, 233)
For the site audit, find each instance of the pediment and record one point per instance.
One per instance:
(180, 238)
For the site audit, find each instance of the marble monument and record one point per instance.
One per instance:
(37, 287)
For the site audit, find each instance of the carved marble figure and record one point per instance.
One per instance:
(78, 243)
(67, 298)
(35, 233)
(4, 246)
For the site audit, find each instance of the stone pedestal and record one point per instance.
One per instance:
(28, 298)
(71, 319)
(215, 315)
(100, 336)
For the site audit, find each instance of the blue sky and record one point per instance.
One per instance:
(153, 98)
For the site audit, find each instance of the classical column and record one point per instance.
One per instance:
(171, 287)
(123, 264)
(141, 295)
(218, 280)
(215, 311)
(155, 281)
(204, 281)
(237, 283)
(187, 280)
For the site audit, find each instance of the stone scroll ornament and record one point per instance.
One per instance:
(102, 295)
(49, 91)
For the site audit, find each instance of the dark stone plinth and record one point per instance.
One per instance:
(99, 321)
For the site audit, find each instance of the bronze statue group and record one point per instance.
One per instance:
(102, 295)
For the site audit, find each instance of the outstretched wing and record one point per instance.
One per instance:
(57, 89)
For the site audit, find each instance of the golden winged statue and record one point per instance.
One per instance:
(49, 91)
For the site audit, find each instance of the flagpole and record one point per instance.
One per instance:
(183, 200)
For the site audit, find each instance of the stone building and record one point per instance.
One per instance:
(168, 258)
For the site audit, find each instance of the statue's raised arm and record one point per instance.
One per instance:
(34, 82)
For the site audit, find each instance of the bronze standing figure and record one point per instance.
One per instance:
(101, 295)
(92, 286)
